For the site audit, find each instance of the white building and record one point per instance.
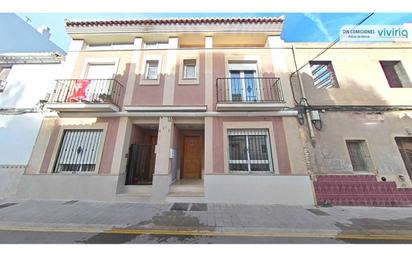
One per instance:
(29, 63)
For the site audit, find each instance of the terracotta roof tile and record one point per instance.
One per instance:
(69, 23)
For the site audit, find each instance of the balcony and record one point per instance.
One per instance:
(85, 95)
(249, 94)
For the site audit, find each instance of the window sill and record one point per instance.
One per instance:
(149, 82)
(259, 173)
(68, 173)
(189, 82)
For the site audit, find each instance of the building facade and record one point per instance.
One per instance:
(361, 95)
(213, 110)
(27, 73)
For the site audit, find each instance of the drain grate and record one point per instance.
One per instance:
(198, 207)
(180, 207)
(318, 212)
(70, 202)
(5, 205)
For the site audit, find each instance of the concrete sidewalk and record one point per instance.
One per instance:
(206, 219)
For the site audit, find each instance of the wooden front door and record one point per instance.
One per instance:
(405, 147)
(191, 157)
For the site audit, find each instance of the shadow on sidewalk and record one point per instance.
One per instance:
(392, 230)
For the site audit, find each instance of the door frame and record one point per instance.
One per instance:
(183, 151)
(399, 140)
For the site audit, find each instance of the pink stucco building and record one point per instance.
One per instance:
(200, 110)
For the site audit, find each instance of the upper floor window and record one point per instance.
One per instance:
(4, 73)
(110, 46)
(151, 70)
(395, 74)
(323, 74)
(156, 45)
(189, 69)
(359, 155)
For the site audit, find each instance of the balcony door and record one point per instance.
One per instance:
(101, 83)
(100, 71)
(243, 85)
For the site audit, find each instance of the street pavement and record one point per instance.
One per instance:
(119, 222)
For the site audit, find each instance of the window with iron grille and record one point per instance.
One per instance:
(323, 74)
(78, 151)
(395, 74)
(249, 150)
(359, 155)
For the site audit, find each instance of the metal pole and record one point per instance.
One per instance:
(302, 90)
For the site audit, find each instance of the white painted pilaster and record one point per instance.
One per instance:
(164, 144)
(162, 176)
(170, 72)
(121, 146)
(209, 102)
(209, 73)
(135, 67)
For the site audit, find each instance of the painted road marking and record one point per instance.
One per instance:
(172, 232)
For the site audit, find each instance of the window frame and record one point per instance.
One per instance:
(3, 81)
(189, 81)
(244, 63)
(332, 72)
(242, 83)
(366, 156)
(109, 46)
(100, 61)
(57, 144)
(156, 45)
(185, 69)
(247, 133)
(8, 73)
(147, 67)
(79, 139)
(403, 84)
(143, 80)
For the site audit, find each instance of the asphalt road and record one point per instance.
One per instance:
(32, 237)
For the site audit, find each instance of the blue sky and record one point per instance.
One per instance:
(310, 27)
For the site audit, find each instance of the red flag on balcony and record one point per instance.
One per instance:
(79, 93)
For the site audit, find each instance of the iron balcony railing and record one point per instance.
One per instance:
(249, 90)
(87, 91)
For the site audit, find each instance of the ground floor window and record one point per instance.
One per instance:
(78, 150)
(249, 150)
(359, 155)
